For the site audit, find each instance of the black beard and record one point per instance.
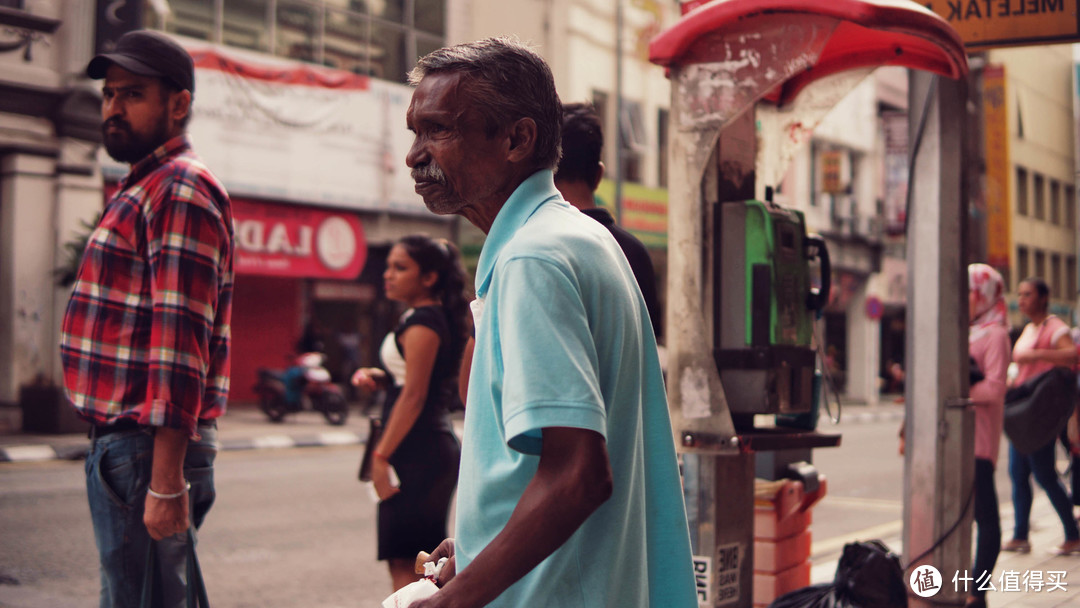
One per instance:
(127, 146)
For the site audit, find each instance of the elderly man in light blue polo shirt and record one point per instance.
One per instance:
(569, 494)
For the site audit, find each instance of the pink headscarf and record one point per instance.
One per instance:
(989, 289)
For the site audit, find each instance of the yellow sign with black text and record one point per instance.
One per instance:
(993, 23)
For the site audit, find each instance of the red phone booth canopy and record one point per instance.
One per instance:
(799, 57)
(820, 38)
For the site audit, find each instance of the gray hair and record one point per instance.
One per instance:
(509, 81)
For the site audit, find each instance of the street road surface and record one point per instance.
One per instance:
(290, 528)
(866, 487)
(293, 527)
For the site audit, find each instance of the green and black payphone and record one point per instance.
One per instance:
(762, 274)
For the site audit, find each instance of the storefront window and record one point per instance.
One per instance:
(388, 52)
(346, 44)
(382, 38)
(297, 30)
(191, 18)
(245, 24)
(390, 10)
(633, 140)
(430, 16)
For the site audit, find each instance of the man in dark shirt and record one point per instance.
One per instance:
(577, 178)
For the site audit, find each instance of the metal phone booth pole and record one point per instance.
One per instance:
(750, 80)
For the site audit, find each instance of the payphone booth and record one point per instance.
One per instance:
(750, 80)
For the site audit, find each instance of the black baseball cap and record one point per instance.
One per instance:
(147, 53)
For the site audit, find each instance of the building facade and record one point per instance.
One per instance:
(1034, 88)
(49, 179)
(582, 40)
(299, 109)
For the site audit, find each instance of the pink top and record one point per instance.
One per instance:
(989, 346)
(1042, 336)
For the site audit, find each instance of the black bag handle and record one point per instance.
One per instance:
(196, 587)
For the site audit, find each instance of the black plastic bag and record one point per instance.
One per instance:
(814, 596)
(868, 576)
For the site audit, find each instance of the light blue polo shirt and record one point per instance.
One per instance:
(564, 340)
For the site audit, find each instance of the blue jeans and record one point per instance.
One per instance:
(1039, 463)
(118, 471)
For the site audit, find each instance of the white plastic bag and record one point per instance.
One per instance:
(421, 589)
(413, 592)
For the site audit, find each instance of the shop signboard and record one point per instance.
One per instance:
(644, 211)
(294, 241)
(993, 23)
(831, 168)
(895, 174)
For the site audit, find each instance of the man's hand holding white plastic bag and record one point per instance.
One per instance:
(438, 568)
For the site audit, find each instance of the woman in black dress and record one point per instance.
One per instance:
(420, 361)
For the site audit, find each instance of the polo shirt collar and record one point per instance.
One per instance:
(536, 190)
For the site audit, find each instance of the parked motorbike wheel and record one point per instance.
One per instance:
(335, 408)
(274, 406)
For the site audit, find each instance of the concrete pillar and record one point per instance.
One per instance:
(864, 349)
(939, 461)
(27, 195)
(79, 200)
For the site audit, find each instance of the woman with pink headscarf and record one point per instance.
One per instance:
(988, 345)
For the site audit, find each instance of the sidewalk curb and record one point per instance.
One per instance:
(42, 453)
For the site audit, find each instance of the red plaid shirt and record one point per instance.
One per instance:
(146, 332)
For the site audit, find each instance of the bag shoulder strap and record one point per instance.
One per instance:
(1042, 331)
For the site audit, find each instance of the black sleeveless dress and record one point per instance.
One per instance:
(427, 460)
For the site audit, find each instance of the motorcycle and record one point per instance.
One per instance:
(304, 386)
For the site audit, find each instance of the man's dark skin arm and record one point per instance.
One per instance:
(164, 518)
(573, 479)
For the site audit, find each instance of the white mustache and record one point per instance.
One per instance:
(430, 172)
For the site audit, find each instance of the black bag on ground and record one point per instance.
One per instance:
(868, 576)
(1037, 410)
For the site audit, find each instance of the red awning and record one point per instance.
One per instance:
(867, 33)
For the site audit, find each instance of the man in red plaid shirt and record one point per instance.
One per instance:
(145, 343)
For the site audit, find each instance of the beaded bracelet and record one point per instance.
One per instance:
(160, 496)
